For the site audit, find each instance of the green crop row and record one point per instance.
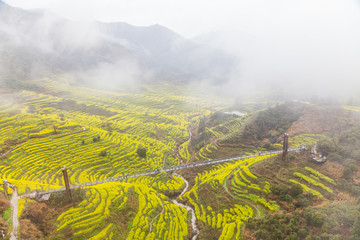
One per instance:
(320, 175)
(313, 182)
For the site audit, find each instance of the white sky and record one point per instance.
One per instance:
(314, 44)
(194, 17)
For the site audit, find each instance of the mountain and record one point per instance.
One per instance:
(162, 47)
(38, 44)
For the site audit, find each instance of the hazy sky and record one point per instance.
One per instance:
(193, 17)
(313, 45)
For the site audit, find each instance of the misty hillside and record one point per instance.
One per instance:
(38, 43)
(112, 131)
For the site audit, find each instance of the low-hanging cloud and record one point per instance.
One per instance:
(112, 76)
(304, 48)
(41, 44)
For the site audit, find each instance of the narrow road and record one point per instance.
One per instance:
(15, 219)
(195, 229)
(170, 169)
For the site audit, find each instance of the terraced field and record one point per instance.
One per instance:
(97, 135)
(231, 219)
(314, 182)
(92, 122)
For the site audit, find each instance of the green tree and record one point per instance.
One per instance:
(302, 232)
(295, 190)
(96, 139)
(355, 230)
(314, 218)
(103, 153)
(294, 236)
(141, 152)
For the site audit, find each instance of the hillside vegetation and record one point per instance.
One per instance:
(100, 135)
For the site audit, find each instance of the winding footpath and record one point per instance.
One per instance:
(253, 206)
(152, 221)
(15, 219)
(195, 229)
(170, 169)
(14, 200)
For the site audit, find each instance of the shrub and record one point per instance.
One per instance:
(28, 230)
(279, 189)
(4, 204)
(302, 232)
(314, 218)
(6, 214)
(96, 139)
(103, 153)
(295, 190)
(141, 152)
(336, 157)
(326, 145)
(294, 236)
(4, 226)
(347, 172)
(40, 215)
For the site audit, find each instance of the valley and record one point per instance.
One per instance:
(168, 190)
(247, 127)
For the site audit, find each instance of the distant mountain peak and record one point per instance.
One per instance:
(55, 44)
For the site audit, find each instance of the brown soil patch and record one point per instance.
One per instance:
(317, 120)
(356, 178)
(343, 197)
(332, 169)
(356, 175)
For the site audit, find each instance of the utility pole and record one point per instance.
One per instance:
(285, 146)
(67, 184)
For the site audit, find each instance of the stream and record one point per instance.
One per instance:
(195, 229)
(188, 208)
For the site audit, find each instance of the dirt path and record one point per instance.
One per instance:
(68, 134)
(12, 149)
(15, 219)
(188, 208)
(152, 221)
